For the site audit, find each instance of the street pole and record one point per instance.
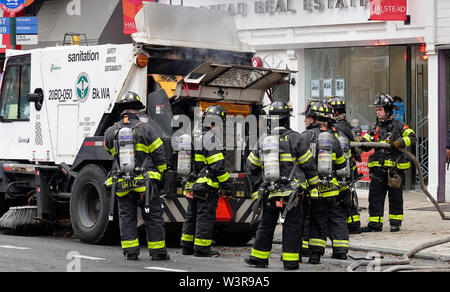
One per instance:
(13, 31)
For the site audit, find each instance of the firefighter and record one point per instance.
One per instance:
(344, 129)
(327, 210)
(387, 166)
(149, 160)
(274, 184)
(211, 177)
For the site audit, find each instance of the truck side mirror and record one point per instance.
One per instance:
(37, 97)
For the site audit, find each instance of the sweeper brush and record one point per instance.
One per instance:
(19, 218)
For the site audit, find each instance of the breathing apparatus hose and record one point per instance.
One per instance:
(399, 265)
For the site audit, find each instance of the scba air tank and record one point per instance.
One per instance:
(345, 145)
(325, 155)
(126, 150)
(184, 155)
(271, 158)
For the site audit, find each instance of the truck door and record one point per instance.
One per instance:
(15, 126)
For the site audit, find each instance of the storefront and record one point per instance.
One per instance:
(336, 50)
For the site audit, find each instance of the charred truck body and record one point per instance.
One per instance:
(56, 104)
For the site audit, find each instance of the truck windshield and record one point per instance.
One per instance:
(16, 86)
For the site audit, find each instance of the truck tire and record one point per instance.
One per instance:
(89, 207)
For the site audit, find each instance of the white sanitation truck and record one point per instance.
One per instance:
(57, 102)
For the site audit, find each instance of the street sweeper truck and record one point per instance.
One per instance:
(57, 102)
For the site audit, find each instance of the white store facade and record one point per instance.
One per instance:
(336, 50)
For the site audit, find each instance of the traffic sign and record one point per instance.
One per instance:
(5, 25)
(12, 6)
(26, 25)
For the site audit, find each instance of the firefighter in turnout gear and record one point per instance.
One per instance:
(139, 163)
(210, 177)
(280, 170)
(344, 129)
(327, 210)
(387, 166)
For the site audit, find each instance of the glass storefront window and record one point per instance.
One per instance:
(356, 73)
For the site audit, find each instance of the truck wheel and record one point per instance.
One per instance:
(89, 207)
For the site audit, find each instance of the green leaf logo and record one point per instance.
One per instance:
(82, 87)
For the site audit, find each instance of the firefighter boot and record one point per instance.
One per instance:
(203, 254)
(257, 263)
(395, 228)
(339, 256)
(132, 257)
(160, 256)
(188, 248)
(314, 259)
(369, 229)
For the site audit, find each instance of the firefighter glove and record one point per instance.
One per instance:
(399, 143)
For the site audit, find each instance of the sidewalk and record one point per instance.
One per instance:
(422, 224)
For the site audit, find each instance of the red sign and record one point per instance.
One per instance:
(388, 10)
(130, 9)
(5, 39)
(363, 167)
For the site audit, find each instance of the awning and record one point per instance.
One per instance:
(55, 18)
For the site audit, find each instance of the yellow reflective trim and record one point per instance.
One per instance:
(155, 145)
(214, 158)
(314, 193)
(202, 242)
(111, 151)
(130, 243)
(256, 158)
(162, 167)
(260, 254)
(156, 244)
(407, 141)
(305, 244)
(286, 157)
(330, 194)
(408, 132)
(200, 158)
(340, 243)
(280, 194)
(208, 181)
(317, 242)
(404, 166)
(373, 164)
(314, 180)
(121, 194)
(290, 256)
(142, 148)
(396, 217)
(340, 160)
(352, 219)
(223, 177)
(376, 219)
(305, 157)
(252, 158)
(187, 237)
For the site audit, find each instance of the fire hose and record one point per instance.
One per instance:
(398, 265)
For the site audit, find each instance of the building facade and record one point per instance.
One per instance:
(337, 51)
